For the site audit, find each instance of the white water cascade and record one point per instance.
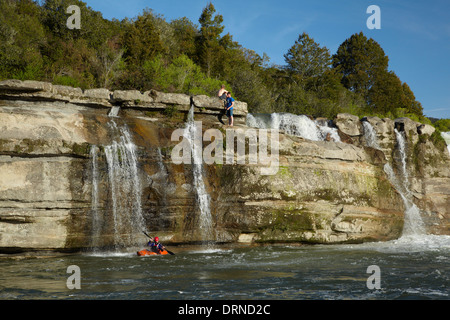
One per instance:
(96, 219)
(413, 225)
(194, 136)
(370, 135)
(124, 190)
(446, 136)
(297, 125)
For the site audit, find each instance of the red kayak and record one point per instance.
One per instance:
(146, 252)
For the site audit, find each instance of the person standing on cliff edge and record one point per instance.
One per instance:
(229, 108)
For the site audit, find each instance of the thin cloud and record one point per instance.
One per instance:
(297, 28)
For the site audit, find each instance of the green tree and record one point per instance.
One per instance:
(182, 75)
(411, 104)
(389, 95)
(109, 63)
(442, 125)
(244, 69)
(360, 61)
(54, 18)
(386, 94)
(185, 33)
(141, 40)
(165, 32)
(208, 45)
(307, 58)
(21, 36)
(94, 28)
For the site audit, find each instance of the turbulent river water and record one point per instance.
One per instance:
(408, 268)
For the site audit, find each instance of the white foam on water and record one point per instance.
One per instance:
(408, 244)
(110, 254)
(211, 250)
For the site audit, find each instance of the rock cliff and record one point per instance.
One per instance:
(63, 185)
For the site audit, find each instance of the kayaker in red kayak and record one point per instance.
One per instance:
(155, 245)
(156, 248)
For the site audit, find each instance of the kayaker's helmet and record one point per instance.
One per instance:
(156, 239)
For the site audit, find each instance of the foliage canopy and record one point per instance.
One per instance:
(180, 56)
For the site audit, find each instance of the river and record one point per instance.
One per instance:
(409, 268)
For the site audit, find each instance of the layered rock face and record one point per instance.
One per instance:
(324, 192)
(426, 161)
(75, 175)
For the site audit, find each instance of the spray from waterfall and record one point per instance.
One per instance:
(413, 224)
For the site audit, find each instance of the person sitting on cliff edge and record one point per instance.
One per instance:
(222, 94)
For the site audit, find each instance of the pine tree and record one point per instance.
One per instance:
(141, 40)
(360, 61)
(411, 104)
(185, 32)
(307, 58)
(208, 44)
(386, 94)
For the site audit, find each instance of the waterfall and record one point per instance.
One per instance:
(125, 186)
(370, 135)
(413, 225)
(258, 121)
(446, 136)
(413, 221)
(123, 219)
(401, 142)
(192, 134)
(96, 219)
(114, 112)
(297, 125)
(162, 168)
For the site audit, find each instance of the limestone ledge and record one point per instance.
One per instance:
(350, 126)
(101, 97)
(323, 192)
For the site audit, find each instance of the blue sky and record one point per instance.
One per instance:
(415, 34)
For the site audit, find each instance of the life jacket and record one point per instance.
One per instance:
(156, 247)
